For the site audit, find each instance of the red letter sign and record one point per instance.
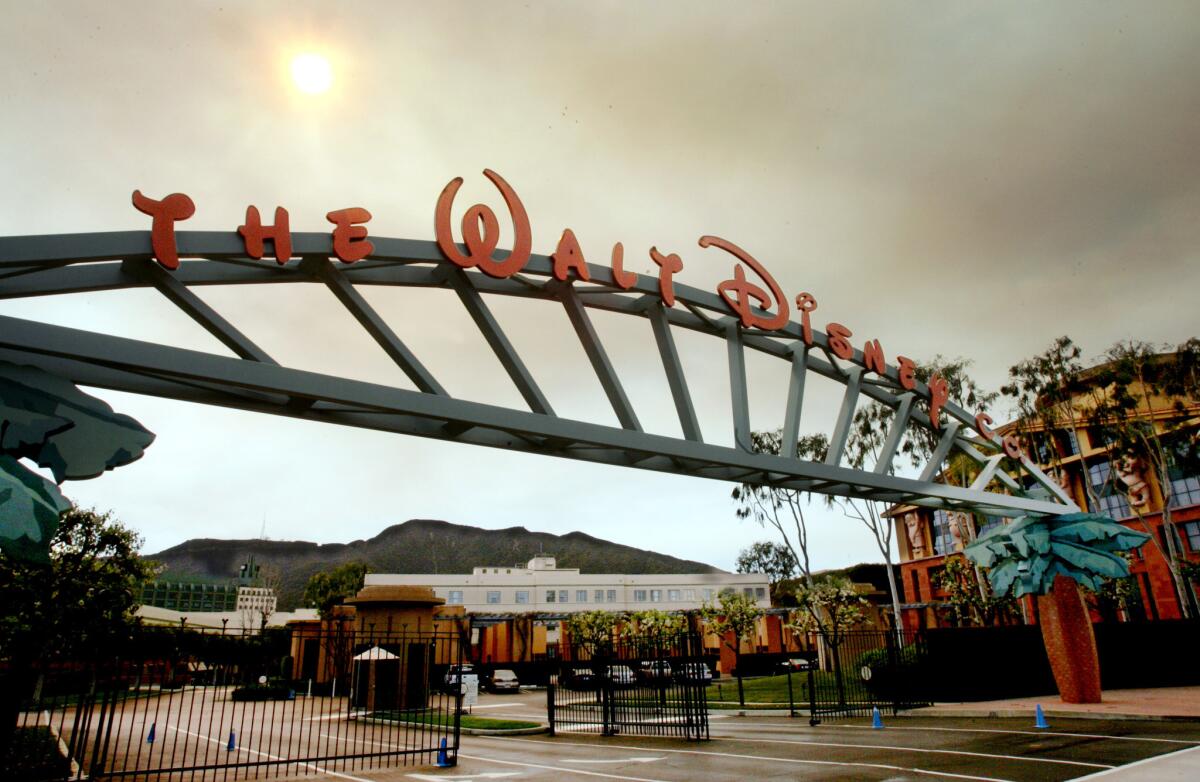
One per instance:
(740, 295)
(667, 266)
(479, 248)
(350, 240)
(253, 233)
(166, 213)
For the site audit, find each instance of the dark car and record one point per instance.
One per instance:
(579, 679)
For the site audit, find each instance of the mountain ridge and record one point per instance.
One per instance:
(413, 546)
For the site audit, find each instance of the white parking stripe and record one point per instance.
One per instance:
(557, 768)
(769, 758)
(1020, 732)
(929, 751)
(269, 755)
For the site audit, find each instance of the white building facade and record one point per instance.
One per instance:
(543, 587)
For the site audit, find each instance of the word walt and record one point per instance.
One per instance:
(766, 309)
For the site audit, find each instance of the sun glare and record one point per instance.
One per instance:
(312, 73)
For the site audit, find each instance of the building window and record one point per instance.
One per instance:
(599, 596)
(760, 592)
(943, 541)
(748, 591)
(673, 596)
(612, 595)
(655, 595)
(1185, 489)
(1109, 497)
(689, 594)
(580, 595)
(989, 522)
(455, 597)
(563, 595)
(522, 596)
(1191, 531)
(493, 597)
(550, 595)
(639, 595)
(708, 595)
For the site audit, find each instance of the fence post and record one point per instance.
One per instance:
(893, 673)
(791, 699)
(550, 705)
(812, 696)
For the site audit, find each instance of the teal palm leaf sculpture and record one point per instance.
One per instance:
(49, 421)
(1051, 558)
(1026, 555)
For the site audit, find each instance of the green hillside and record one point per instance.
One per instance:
(416, 546)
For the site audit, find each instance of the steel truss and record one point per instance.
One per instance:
(79, 263)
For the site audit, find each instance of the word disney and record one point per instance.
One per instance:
(764, 308)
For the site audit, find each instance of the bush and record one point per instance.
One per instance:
(891, 670)
(264, 692)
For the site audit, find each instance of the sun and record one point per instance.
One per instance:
(312, 73)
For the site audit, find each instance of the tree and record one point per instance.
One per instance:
(778, 507)
(970, 603)
(772, 559)
(737, 616)
(78, 604)
(595, 631)
(328, 588)
(829, 606)
(1051, 557)
(1124, 415)
(864, 448)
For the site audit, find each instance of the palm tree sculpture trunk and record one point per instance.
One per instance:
(1070, 642)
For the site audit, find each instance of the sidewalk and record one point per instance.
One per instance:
(1159, 703)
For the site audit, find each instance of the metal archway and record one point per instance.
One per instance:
(77, 263)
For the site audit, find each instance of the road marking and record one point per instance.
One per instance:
(488, 706)
(558, 768)
(795, 761)
(618, 760)
(1142, 762)
(928, 751)
(269, 755)
(481, 775)
(1022, 733)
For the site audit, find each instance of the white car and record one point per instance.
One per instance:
(504, 680)
(621, 675)
(695, 672)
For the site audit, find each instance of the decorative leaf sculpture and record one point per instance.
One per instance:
(1026, 555)
(47, 419)
(29, 509)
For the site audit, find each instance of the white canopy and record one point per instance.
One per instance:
(376, 653)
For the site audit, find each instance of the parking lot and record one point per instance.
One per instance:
(778, 748)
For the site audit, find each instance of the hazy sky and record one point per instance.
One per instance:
(958, 178)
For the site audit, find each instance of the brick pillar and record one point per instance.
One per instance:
(728, 659)
(774, 633)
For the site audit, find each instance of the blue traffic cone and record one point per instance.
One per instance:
(1041, 718)
(876, 719)
(442, 762)
(232, 745)
(150, 735)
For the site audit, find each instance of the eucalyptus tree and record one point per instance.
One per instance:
(865, 444)
(777, 507)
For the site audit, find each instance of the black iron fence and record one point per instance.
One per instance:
(215, 706)
(654, 686)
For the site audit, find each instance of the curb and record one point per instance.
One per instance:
(1062, 714)
(467, 731)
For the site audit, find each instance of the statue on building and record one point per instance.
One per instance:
(1128, 468)
(916, 534)
(960, 529)
(1062, 478)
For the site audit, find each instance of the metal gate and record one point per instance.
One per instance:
(650, 687)
(223, 706)
(854, 673)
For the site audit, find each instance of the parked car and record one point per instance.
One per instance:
(694, 672)
(793, 664)
(504, 680)
(578, 679)
(454, 675)
(654, 672)
(621, 675)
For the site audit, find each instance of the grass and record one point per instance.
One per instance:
(34, 754)
(465, 720)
